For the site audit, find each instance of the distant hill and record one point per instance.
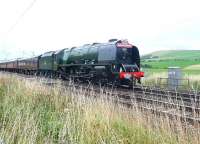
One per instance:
(173, 54)
(189, 60)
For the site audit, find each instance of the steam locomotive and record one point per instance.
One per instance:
(115, 61)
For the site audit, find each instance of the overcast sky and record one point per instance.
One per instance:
(28, 27)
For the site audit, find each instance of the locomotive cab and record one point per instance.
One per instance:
(129, 59)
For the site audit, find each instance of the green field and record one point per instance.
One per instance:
(164, 64)
(187, 60)
(187, 66)
(155, 65)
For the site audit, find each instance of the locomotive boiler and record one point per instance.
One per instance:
(115, 61)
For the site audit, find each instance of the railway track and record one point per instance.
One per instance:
(187, 113)
(183, 106)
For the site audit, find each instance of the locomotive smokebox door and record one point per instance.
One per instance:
(174, 77)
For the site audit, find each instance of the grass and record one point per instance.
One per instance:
(158, 62)
(159, 69)
(31, 112)
(155, 66)
(152, 78)
(164, 64)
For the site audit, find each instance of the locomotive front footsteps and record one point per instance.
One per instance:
(116, 61)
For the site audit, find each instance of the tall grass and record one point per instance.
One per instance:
(188, 82)
(31, 112)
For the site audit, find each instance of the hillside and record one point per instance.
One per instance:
(173, 54)
(188, 60)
